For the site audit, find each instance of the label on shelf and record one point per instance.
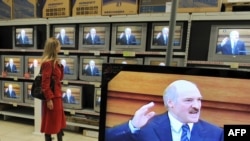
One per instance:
(72, 112)
(128, 53)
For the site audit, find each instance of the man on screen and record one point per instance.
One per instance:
(127, 38)
(63, 38)
(92, 38)
(66, 69)
(9, 92)
(162, 37)
(90, 69)
(232, 45)
(32, 66)
(68, 97)
(22, 38)
(10, 66)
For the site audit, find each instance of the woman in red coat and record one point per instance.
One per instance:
(53, 118)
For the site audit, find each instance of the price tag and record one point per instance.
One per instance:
(72, 112)
(65, 82)
(97, 53)
(15, 78)
(66, 52)
(128, 54)
(234, 65)
(14, 104)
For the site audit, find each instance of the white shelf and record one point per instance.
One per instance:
(83, 125)
(220, 16)
(17, 114)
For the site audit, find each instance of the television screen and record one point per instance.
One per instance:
(12, 65)
(129, 36)
(123, 60)
(32, 62)
(24, 37)
(12, 91)
(27, 93)
(70, 65)
(161, 61)
(94, 37)
(229, 43)
(90, 68)
(72, 96)
(122, 95)
(159, 36)
(66, 34)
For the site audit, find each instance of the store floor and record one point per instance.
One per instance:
(17, 129)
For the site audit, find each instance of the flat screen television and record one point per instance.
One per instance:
(12, 65)
(129, 36)
(70, 64)
(25, 37)
(122, 95)
(66, 34)
(72, 96)
(222, 46)
(12, 91)
(27, 93)
(161, 61)
(159, 35)
(94, 37)
(31, 62)
(123, 60)
(88, 73)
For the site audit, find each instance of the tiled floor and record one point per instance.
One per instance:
(17, 129)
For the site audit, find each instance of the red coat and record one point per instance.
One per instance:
(52, 120)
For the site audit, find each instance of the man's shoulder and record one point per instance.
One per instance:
(208, 125)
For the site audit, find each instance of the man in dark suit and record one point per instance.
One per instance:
(162, 37)
(232, 45)
(68, 98)
(10, 66)
(91, 38)
(9, 92)
(127, 38)
(66, 69)
(22, 38)
(32, 66)
(91, 69)
(63, 38)
(183, 101)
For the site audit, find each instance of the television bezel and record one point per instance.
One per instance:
(13, 100)
(74, 76)
(141, 47)
(176, 62)
(25, 93)
(21, 69)
(24, 46)
(26, 65)
(213, 56)
(77, 106)
(54, 34)
(91, 78)
(112, 60)
(166, 24)
(101, 47)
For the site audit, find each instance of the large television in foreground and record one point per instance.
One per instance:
(222, 49)
(125, 88)
(129, 36)
(12, 91)
(72, 96)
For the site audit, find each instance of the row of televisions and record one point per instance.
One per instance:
(75, 68)
(73, 95)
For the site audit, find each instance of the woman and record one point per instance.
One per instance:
(53, 118)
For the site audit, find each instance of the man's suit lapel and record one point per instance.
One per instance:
(163, 128)
(198, 133)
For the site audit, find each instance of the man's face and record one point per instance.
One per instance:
(92, 31)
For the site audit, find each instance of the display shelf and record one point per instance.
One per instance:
(82, 125)
(21, 112)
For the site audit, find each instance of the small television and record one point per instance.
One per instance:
(124, 60)
(12, 91)
(31, 62)
(70, 64)
(129, 36)
(28, 98)
(86, 72)
(97, 99)
(72, 96)
(221, 47)
(159, 36)
(13, 65)
(24, 37)
(66, 34)
(122, 95)
(161, 61)
(94, 37)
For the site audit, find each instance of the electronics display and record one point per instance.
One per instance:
(27, 93)
(31, 63)
(72, 96)
(123, 60)
(97, 99)
(94, 37)
(70, 64)
(12, 65)
(129, 36)
(12, 91)
(222, 48)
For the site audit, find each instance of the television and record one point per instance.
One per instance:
(122, 97)
(159, 36)
(129, 36)
(94, 37)
(66, 34)
(161, 61)
(97, 99)
(222, 51)
(12, 91)
(14, 70)
(31, 62)
(24, 37)
(70, 64)
(124, 60)
(87, 73)
(27, 93)
(72, 96)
